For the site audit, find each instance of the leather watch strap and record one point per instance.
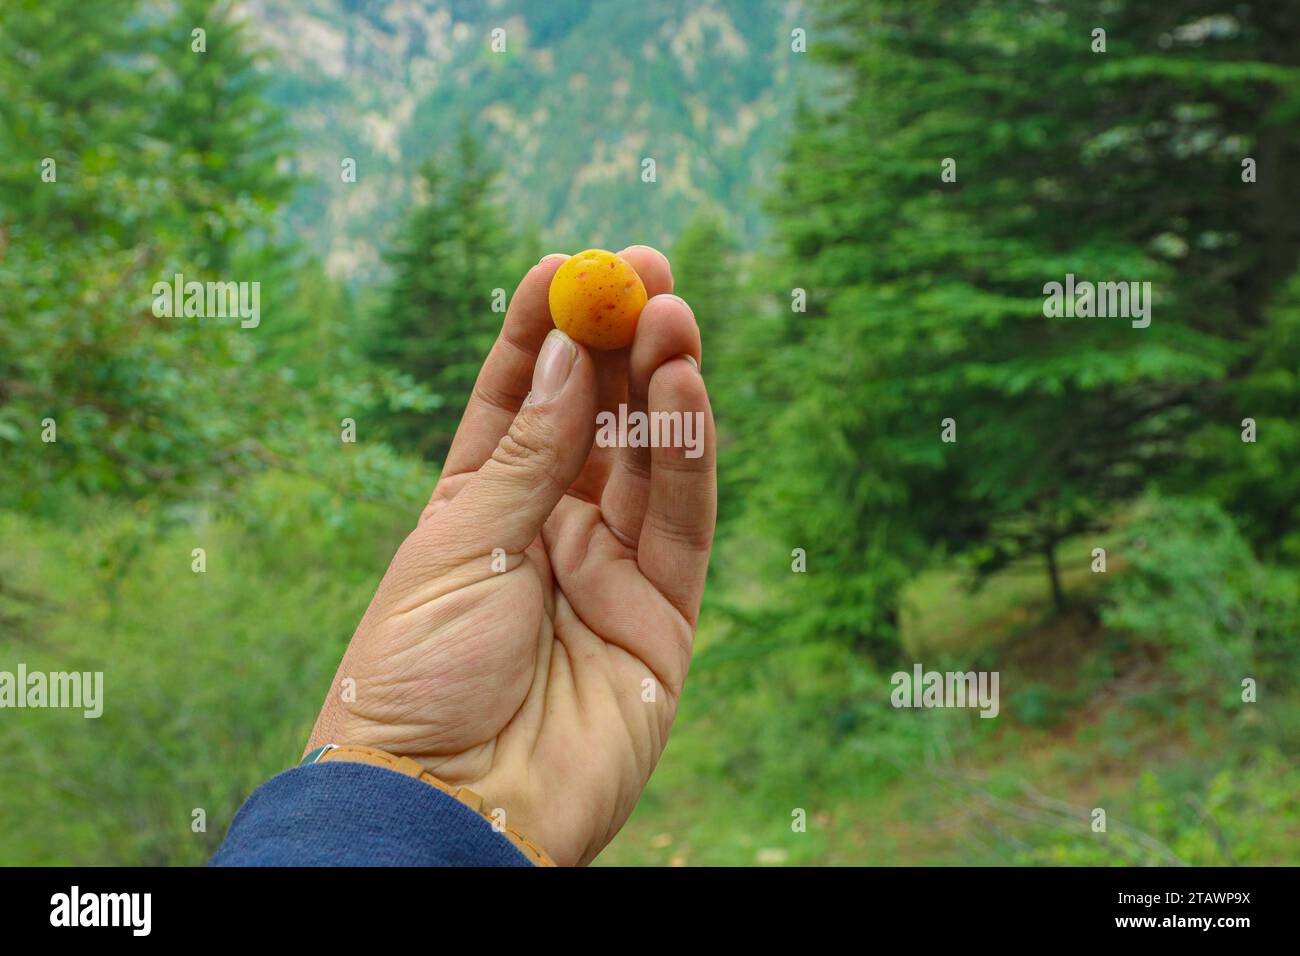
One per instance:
(409, 767)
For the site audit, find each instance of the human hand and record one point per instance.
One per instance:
(549, 687)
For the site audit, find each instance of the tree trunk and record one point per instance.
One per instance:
(1054, 575)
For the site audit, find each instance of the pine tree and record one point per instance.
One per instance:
(437, 322)
(707, 274)
(74, 95)
(225, 144)
(929, 290)
(143, 403)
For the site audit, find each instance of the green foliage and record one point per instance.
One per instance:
(211, 681)
(927, 296)
(226, 143)
(76, 96)
(1195, 589)
(1036, 705)
(708, 274)
(1259, 480)
(143, 404)
(1226, 820)
(167, 162)
(438, 321)
(923, 302)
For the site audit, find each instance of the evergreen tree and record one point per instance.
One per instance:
(73, 94)
(141, 403)
(226, 145)
(707, 274)
(437, 322)
(928, 289)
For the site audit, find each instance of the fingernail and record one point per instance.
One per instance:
(678, 299)
(691, 358)
(552, 255)
(554, 363)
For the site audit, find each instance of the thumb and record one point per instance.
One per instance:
(510, 497)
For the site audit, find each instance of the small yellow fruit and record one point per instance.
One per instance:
(596, 299)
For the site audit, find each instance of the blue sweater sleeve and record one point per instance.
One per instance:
(351, 814)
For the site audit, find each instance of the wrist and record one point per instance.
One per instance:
(351, 753)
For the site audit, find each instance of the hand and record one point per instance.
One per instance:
(549, 687)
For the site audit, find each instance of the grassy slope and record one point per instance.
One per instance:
(212, 682)
(1089, 720)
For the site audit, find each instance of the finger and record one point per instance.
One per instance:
(652, 266)
(611, 391)
(612, 368)
(667, 330)
(506, 502)
(677, 534)
(506, 376)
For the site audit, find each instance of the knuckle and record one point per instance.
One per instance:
(671, 527)
(674, 461)
(521, 448)
(526, 450)
(636, 463)
(494, 397)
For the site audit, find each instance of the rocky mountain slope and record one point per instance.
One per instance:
(581, 95)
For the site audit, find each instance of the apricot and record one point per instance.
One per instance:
(596, 299)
